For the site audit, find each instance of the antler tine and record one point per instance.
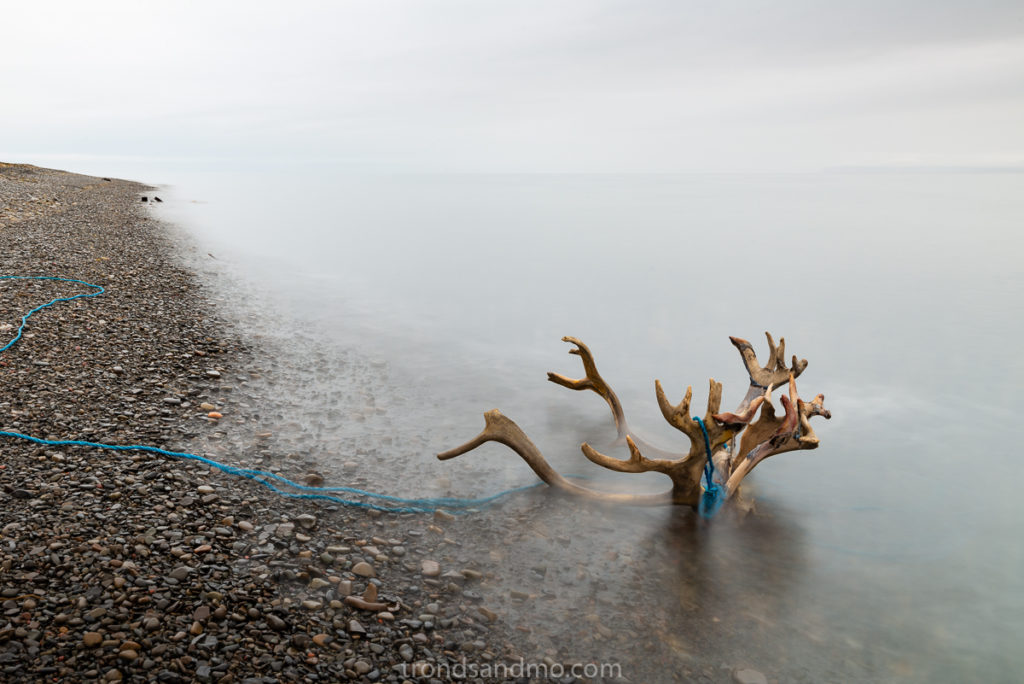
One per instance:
(592, 381)
(774, 372)
(736, 421)
(679, 417)
(806, 411)
(637, 462)
(773, 351)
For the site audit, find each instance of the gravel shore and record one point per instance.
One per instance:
(131, 566)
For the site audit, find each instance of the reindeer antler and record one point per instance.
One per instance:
(766, 436)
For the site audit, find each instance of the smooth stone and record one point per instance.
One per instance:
(364, 569)
(430, 568)
(92, 639)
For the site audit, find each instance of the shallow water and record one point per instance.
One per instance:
(402, 307)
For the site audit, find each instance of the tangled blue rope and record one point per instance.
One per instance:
(267, 479)
(714, 494)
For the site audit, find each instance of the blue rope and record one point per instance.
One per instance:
(24, 319)
(267, 479)
(714, 494)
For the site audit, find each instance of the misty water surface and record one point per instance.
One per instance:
(891, 553)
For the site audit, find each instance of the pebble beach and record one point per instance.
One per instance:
(130, 566)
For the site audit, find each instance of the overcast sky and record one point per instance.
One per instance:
(563, 85)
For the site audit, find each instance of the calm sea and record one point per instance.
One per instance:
(415, 302)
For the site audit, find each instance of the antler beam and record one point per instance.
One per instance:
(499, 428)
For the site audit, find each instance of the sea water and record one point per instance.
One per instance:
(891, 553)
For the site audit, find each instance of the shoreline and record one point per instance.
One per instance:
(127, 566)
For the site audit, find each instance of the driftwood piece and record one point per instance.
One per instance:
(765, 436)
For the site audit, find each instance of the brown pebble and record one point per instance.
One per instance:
(371, 592)
(364, 569)
(322, 639)
(196, 628)
(92, 639)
